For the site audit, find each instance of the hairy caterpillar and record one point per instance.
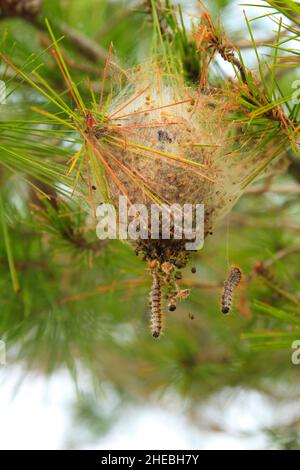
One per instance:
(230, 284)
(156, 319)
(180, 295)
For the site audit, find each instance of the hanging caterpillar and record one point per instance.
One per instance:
(180, 295)
(233, 280)
(156, 319)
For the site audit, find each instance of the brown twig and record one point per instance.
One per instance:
(282, 254)
(90, 49)
(24, 8)
(87, 47)
(247, 44)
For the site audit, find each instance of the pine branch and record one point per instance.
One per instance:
(30, 11)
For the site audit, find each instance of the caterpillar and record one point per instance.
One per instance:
(182, 294)
(156, 319)
(179, 295)
(233, 280)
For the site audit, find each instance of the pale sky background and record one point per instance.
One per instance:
(37, 416)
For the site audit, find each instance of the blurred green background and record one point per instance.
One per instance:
(80, 306)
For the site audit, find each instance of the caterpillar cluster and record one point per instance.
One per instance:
(233, 280)
(156, 320)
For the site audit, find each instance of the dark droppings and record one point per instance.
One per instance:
(163, 136)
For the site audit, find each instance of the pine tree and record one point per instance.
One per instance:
(71, 300)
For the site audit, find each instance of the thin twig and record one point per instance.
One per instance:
(292, 190)
(281, 254)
